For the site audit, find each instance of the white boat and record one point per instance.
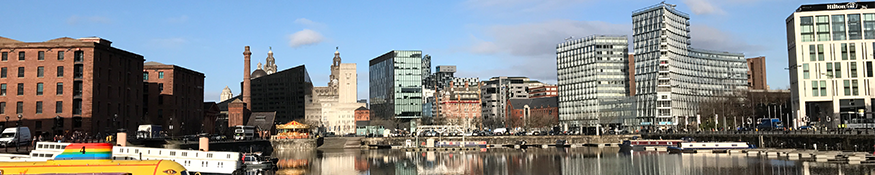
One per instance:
(214, 162)
(688, 147)
(219, 162)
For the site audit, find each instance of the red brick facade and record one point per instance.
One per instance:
(174, 97)
(362, 114)
(97, 83)
(516, 115)
(238, 114)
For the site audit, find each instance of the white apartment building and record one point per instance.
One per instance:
(830, 54)
(671, 78)
(593, 81)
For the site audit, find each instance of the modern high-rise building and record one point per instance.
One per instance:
(671, 78)
(593, 80)
(830, 60)
(756, 73)
(396, 87)
(173, 96)
(65, 84)
(495, 94)
(285, 92)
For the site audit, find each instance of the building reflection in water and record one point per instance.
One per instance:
(564, 161)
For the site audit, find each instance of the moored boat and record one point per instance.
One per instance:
(92, 158)
(691, 147)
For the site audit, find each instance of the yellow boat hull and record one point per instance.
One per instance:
(134, 167)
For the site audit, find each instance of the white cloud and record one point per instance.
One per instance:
(530, 49)
(707, 37)
(305, 37)
(704, 7)
(170, 43)
(76, 20)
(178, 19)
(309, 23)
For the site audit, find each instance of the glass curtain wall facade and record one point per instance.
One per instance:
(593, 80)
(670, 77)
(396, 85)
(830, 48)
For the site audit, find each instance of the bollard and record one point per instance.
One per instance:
(121, 137)
(204, 142)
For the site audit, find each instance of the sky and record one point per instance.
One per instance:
(484, 38)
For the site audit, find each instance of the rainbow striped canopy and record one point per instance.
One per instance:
(86, 151)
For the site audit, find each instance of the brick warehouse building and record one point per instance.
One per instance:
(533, 112)
(65, 84)
(173, 97)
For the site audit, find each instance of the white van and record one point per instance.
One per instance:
(15, 135)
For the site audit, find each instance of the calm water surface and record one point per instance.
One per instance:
(567, 161)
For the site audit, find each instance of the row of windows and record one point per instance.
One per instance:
(59, 90)
(146, 75)
(19, 107)
(77, 55)
(40, 71)
(837, 27)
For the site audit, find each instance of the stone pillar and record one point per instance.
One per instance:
(121, 138)
(204, 142)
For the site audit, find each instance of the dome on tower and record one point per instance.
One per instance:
(258, 73)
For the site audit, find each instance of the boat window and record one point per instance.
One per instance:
(184, 154)
(159, 152)
(172, 153)
(195, 154)
(229, 155)
(734, 144)
(209, 155)
(121, 150)
(136, 150)
(127, 150)
(148, 151)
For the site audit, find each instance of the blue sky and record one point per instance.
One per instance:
(483, 38)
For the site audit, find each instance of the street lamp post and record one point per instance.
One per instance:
(18, 133)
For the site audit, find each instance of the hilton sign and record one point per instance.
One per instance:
(837, 6)
(850, 5)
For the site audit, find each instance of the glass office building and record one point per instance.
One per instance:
(593, 81)
(396, 85)
(671, 78)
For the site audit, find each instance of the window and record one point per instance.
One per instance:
(145, 76)
(160, 87)
(19, 107)
(844, 51)
(21, 56)
(5, 56)
(20, 72)
(20, 89)
(854, 31)
(838, 27)
(39, 89)
(807, 27)
(820, 52)
(39, 71)
(59, 107)
(39, 107)
(60, 55)
(838, 73)
(812, 54)
(829, 71)
(77, 106)
(2, 107)
(60, 71)
(39, 124)
(822, 28)
(823, 88)
(78, 56)
(847, 86)
(77, 71)
(3, 89)
(42, 55)
(853, 67)
(59, 90)
(869, 69)
(3, 72)
(161, 75)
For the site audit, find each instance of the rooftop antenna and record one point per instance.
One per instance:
(569, 38)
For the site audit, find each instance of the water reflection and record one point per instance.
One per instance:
(564, 161)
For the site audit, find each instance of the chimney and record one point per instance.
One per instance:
(247, 98)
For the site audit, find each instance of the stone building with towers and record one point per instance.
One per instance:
(226, 94)
(333, 106)
(271, 97)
